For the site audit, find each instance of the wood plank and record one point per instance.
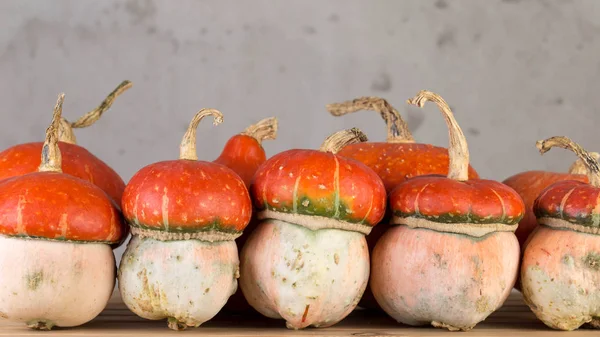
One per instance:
(514, 318)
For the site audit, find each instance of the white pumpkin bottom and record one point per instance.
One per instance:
(51, 283)
(186, 281)
(452, 281)
(308, 278)
(560, 278)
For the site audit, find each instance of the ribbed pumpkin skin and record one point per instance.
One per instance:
(55, 206)
(76, 161)
(439, 199)
(423, 277)
(310, 182)
(187, 196)
(396, 162)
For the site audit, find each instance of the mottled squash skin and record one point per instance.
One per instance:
(187, 281)
(49, 283)
(560, 277)
(455, 281)
(308, 278)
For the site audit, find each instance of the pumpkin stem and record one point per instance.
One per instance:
(187, 149)
(51, 158)
(66, 133)
(578, 167)
(397, 129)
(335, 142)
(458, 151)
(265, 129)
(590, 163)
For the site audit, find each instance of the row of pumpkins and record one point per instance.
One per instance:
(304, 222)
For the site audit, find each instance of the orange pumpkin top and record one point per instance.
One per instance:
(76, 160)
(244, 153)
(571, 204)
(399, 158)
(51, 205)
(187, 198)
(529, 185)
(296, 184)
(455, 203)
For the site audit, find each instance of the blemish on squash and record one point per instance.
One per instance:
(336, 258)
(568, 260)
(305, 313)
(294, 285)
(206, 290)
(592, 261)
(179, 258)
(482, 304)
(283, 280)
(438, 262)
(3, 315)
(34, 280)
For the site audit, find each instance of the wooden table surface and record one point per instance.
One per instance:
(513, 319)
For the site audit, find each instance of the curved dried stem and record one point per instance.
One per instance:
(265, 129)
(335, 142)
(590, 163)
(397, 129)
(458, 151)
(66, 128)
(187, 149)
(51, 157)
(578, 167)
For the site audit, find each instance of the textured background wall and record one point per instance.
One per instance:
(514, 71)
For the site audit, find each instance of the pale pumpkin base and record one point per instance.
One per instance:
(560, 277)
(186, 281)
(50, 283)
(308, 278)
(452, 281)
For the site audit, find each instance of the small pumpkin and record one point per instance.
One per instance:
(453, 258)
(58, 267)
(243, 153)
(182, 262)
(530, 184)
(307, 261)
(560, 271)
(76, 160)
(395, 160)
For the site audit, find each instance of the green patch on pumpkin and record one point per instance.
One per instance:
(592, 261)
(450, 218)
(582, 219)
(215, 226)
(324, 207)
(34, 280)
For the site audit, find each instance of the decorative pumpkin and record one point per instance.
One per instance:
(244, 153)
(307, 262)
(57, 266)
(395, 160)
(76, 160)
(530, 184)
(560, 272)
(182, 262)
(453, 259)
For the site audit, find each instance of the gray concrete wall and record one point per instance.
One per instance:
(514, 71)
